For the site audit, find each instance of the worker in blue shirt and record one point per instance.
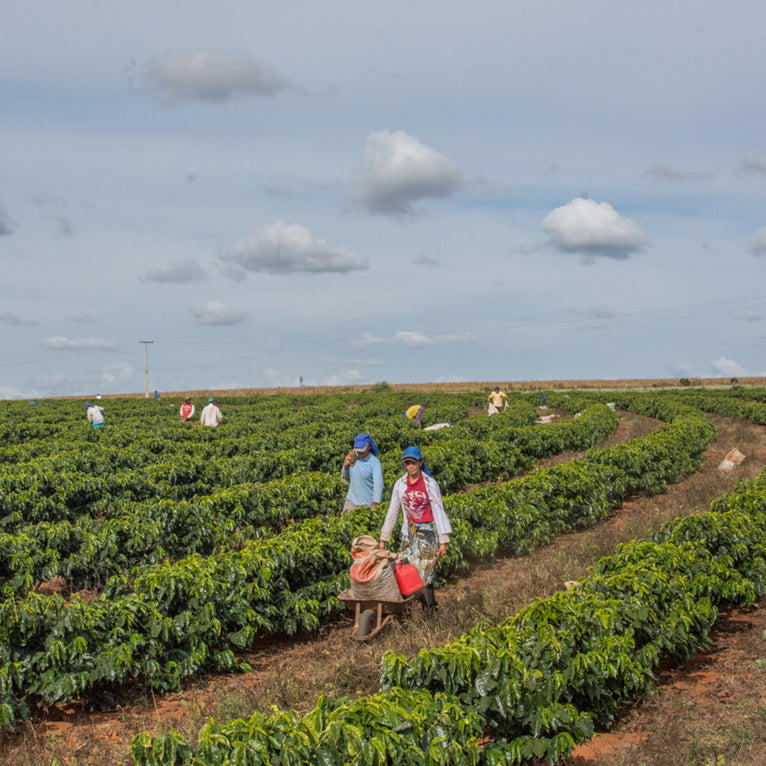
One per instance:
(363, 474)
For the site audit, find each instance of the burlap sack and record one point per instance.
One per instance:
(372, 576)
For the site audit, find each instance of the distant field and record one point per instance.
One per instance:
(507, 385)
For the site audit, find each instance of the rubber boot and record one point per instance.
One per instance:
(428, 599)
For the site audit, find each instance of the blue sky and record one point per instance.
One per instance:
(345, 192)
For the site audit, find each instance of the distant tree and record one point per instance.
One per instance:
(685, 382)
(734, 381)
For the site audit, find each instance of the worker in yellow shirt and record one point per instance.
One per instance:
(496, 399)
(415, 413)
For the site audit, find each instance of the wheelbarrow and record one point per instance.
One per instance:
(372, 615)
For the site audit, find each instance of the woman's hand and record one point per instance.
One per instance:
(382, 545)
(350, 459)
(442, 550)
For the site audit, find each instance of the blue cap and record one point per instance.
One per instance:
(362, 440)
(413, 453)
(210, 399)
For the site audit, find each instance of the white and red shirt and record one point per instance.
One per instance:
(440, 521)
(415, 502)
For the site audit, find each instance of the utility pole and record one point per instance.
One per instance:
(146, 365)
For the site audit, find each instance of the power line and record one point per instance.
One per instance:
(500, 328)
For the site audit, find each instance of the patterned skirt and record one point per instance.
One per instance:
(421, 548)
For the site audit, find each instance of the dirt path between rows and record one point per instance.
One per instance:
(71, 736)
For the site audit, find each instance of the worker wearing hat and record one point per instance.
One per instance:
(187, 410)
(425, 527)
(496, 399)
(211, 415)
(415, 412)
(363, 474)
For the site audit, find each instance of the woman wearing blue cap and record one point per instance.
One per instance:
(363, 474)
(425, 528)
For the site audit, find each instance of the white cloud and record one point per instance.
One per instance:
(116, 373)
(283, 248)
(757, 243)
(728, 367)
(208, 75)
(10, 392)
(347, 377)
(397, 170)
(753, 164)
(410, 339)
(668, 173)
(752, 316)
(593, 228)
(187, 270)
(217, 313)
(60, 343)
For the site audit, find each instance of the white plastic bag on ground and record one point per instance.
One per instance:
(732, 460)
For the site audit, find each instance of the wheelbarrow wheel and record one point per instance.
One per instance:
(368, 621)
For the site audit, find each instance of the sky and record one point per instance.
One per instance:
(245, 194)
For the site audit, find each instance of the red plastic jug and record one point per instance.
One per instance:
(408, 577)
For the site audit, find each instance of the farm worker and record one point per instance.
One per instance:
(363, 474)
(496, 399)
(95, 414)
(415, 413)
(187, 410)
(425, 526)
(211, 415)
